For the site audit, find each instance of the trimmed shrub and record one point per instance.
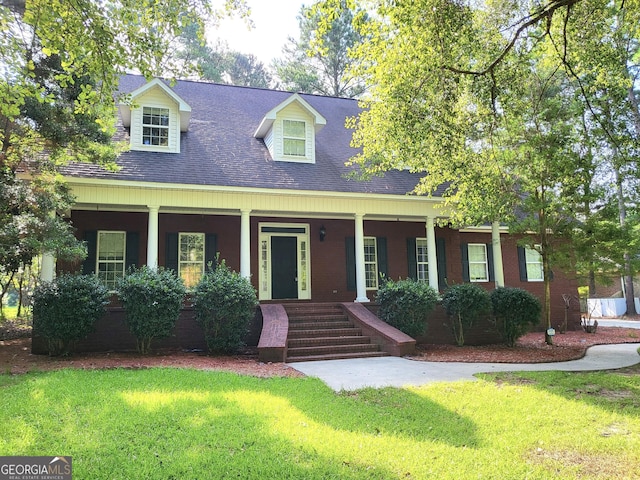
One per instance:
(152, 300)
(406, 304)
(66, 309)
(464, 304)
(514, 310)
(224, 304)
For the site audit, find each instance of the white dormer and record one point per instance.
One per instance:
(156, 116)
(289, 130)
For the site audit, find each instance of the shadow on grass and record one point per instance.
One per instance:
(172, 423)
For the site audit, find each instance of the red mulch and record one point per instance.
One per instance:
(16, 357)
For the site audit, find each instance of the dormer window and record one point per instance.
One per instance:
(155, 116)
(294, 138)
(289, 130)
(155, 126)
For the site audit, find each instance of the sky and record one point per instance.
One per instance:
(274, 21)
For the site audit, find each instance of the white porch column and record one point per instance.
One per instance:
(152, 237)
(361, 281)
(432, 259)
(245, 243)
(47, 267)
(496, 245)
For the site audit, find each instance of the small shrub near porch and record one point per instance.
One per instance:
(152, 299)
(515, 311)
(66, 309)
(465, 303)
(406, 304)
(224, 303)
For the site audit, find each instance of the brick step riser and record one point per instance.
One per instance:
(331, 349)
(330, 332)
(319, 325)
(327, 341)
(337, 356)
(318, 318)
(318, 310)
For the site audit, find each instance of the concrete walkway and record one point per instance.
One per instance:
(398, 372)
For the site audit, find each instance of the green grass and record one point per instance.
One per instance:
(184, 424)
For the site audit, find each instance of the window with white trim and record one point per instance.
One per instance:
(294, 138)
(422, 265)
(371, 263)
(110, 258)
(155, 126)
(478, 263)
(533, 260)
(191, 258)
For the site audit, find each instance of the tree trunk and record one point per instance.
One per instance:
(628, 273)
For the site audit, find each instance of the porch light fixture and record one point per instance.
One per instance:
(323, 233)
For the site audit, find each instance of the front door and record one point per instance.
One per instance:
(284, 267)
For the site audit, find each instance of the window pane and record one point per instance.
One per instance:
(191, 258)
(477, 253)
(478, 266)
(294, 129)
(534, 264)
(110, 258)
(294, 147)
(477, 272)
(370, 263)
(155, 123)
(422, 266)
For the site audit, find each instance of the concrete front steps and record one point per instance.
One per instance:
(323, 331)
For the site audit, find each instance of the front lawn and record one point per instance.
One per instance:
(187, 424)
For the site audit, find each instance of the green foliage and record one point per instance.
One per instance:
(465, 303)
(320, 61)
(515, 310)
(152, 301)
(406, 304)
(224, 304)
(65, 310)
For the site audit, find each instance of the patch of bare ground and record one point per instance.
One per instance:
(585, 465)
(531, 348)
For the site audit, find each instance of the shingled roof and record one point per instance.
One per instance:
(219, 148)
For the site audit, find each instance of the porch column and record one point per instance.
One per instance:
(432, 259)
(361, 281)
(496, 245)
(47, 267)
(152, 237)
(245, 243)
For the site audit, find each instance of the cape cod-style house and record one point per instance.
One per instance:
(258, 177)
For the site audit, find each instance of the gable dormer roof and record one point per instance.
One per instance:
(183, 107)
(270, 117)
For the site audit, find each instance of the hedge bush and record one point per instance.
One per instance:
(224, 304)
(515, 311)
(406, 304)
(464, 304)
(152, 300)
(66, 309)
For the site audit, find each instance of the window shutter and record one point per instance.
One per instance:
(522, 264)
(441, 258)
(492, 276)
(412, 262)
(91, 239)
(464, 250)
(171, 252)
(381, 250)
(133, 249)
(210, 250)
(350, 244)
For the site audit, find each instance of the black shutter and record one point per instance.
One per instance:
(91, 240)
(383, 263)
(350, 244)
(490, 266)
(522, 264)
(171, 252)
(412, 261)
(133, 249)
(210, 250)
(441, 257)
(464, 250)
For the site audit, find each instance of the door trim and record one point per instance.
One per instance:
(300, 231)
